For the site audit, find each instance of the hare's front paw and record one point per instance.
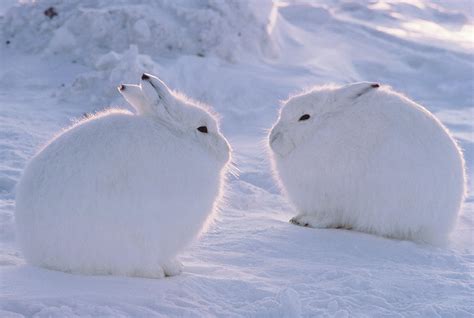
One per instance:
(311, 221)
(172, 268)
(297, 221)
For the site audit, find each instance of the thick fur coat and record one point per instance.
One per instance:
(120, 193)
(364, 157)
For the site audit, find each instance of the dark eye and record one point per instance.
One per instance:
(304, 117)
(202, 129)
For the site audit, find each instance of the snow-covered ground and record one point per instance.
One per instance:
(242, 58)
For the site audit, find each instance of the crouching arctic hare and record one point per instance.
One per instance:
(364, 157)
(122, 193)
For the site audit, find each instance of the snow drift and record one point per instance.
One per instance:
(119, 41)
(86, 30)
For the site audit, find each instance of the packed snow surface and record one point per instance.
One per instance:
(243, 58)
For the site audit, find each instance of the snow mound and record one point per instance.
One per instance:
(118, 41)
(86, 30)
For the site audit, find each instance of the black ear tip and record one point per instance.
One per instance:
(145, 76)
(376, 85)
(121, 88)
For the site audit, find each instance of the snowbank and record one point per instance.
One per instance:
(86, 30)
(119, 40)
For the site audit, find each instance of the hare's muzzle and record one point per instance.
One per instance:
(274, 136)
(280, 142)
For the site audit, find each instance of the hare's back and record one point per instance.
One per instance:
(98, 158)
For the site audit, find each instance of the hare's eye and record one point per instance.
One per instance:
(304, 117)
(202, 129)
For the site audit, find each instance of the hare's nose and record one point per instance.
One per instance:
(145, 76)
(121, 87)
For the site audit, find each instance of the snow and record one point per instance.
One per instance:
(251, 262)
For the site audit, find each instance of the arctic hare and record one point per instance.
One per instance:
(362, 156)
(120, 193)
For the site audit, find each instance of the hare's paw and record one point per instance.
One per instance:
(312, 221)
(297, 221)
(172, 268)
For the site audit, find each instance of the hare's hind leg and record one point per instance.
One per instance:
(172, 267)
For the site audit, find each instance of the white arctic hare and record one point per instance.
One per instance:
(365, 157)
(121, 193)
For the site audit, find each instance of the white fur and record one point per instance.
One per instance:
(120, 193)
(368, 159)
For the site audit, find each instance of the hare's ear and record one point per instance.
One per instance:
(134, 96)
(353, 91)
(155, 90)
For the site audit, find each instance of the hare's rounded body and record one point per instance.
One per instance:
(371, 160)
(118, 194)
